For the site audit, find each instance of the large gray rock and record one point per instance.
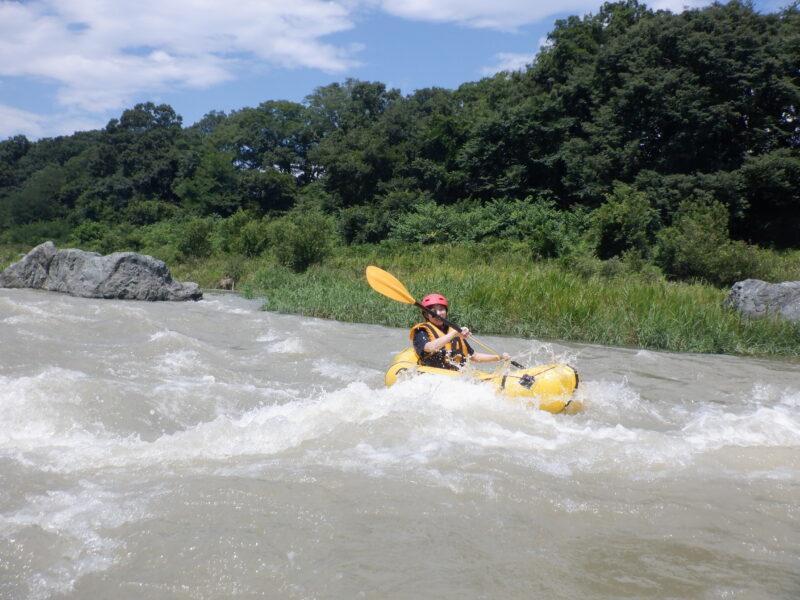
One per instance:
(122, 275)
(756, 298)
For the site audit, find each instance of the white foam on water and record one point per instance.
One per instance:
(49, 420)
(73, 521)
(180, 362)
(761, 427)
(538, 352)
(231, 304)
(773, 394)
(168, 339)
(164, 333)
(290, 345)
(40, 407)
(269, 336)
(341, 371)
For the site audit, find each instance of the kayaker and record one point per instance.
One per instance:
(439, 345)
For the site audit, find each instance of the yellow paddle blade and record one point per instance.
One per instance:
(388, 285)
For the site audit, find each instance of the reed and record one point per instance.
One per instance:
(507, 294)
(497, 289)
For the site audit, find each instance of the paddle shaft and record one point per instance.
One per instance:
(458, 328)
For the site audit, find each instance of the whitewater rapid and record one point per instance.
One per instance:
(213, 450)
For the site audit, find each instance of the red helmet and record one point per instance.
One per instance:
(432, 299)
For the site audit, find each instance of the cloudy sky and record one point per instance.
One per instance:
(68, 65)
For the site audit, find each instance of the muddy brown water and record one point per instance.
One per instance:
(212, 450)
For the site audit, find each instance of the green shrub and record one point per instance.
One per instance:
(430, 223)
(89, 235)
(372, 223)
(33, 234)
(547, 230)
(697, 246)
(145, 212)
(583, 264)
(104, 237)
(228, 229)
(626, 221)
(194, 237)
(554, 232)
(301, 239)
(160, 240)
(253, 238)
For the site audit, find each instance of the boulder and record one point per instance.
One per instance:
(756, 298)
(121, 275)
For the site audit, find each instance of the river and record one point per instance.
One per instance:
(210, 450)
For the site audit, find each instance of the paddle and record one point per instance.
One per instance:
(387, 284)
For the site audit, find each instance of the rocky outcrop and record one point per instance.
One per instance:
(122, 275)
(756, 298)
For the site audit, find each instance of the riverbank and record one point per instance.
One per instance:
(499, 291)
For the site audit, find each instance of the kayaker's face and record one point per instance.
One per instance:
(441, 311)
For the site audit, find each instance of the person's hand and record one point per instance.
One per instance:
(506, 356)
(464, 333)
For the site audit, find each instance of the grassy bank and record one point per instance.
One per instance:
(10, 254)
(500, 291)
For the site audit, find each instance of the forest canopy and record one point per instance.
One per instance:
(633, 130)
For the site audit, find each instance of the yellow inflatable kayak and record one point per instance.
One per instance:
(549, 387)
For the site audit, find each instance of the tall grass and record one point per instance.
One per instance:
(507, 294)
(11, 253)
(498, 289)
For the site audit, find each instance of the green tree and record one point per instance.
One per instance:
(352, 154)
(212, 187)
(37, 199)
(144, 142)
(625, 222)
(771, 190)
(12, 151)
(274, 136)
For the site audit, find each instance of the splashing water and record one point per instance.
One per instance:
(211, 450)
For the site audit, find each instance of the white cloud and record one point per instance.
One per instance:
(14, 121)
(506, 15)
(676, 6)
(507, 61)
(102, 53)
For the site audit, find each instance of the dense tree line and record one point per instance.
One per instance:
(632, 131)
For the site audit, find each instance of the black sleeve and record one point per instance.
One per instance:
(421, 338)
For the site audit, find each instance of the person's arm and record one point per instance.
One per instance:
(483, 357)
(477, 356)
(437, 343)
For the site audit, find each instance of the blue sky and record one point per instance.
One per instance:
(68, 65)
